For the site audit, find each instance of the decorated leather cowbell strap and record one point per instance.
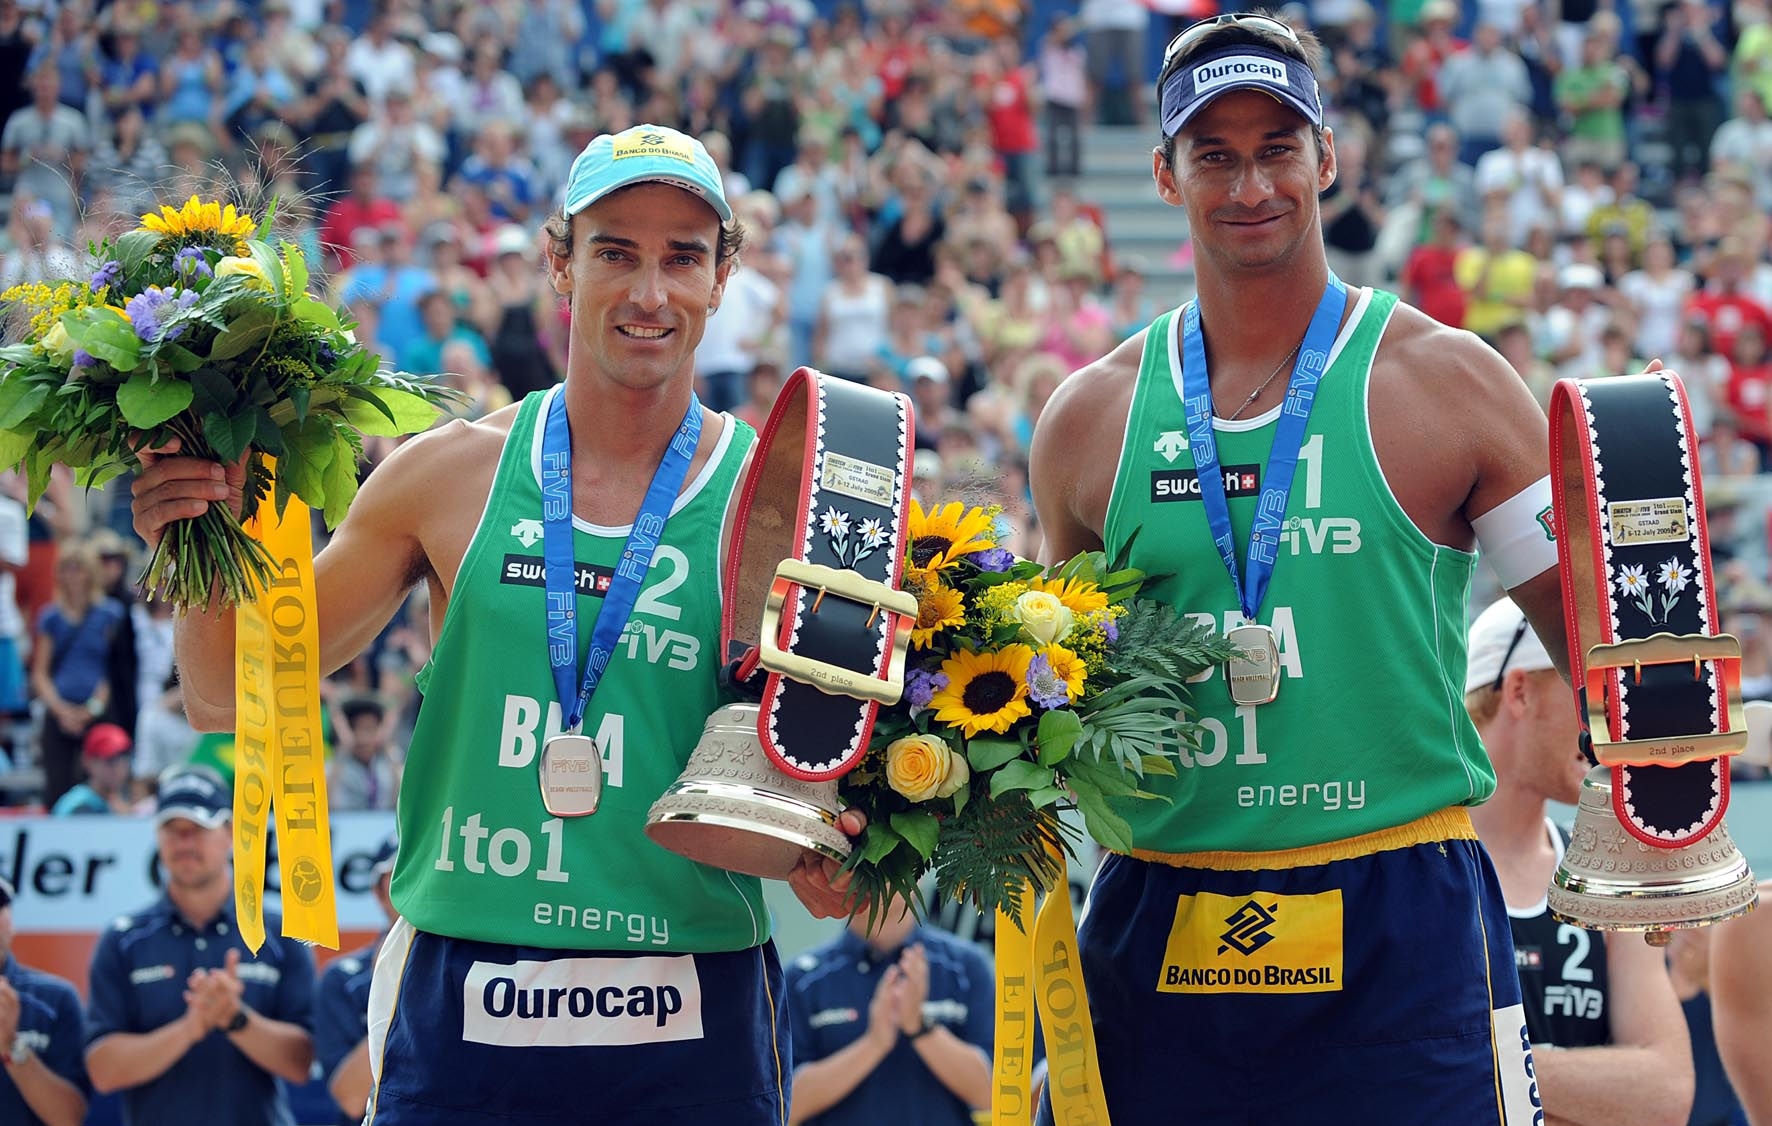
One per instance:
(1657, 686)
(812, 579)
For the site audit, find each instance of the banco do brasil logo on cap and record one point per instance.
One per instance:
(653, 143)
(1248, 929)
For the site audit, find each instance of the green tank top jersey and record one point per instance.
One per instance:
(1369, 730)
(480, 856)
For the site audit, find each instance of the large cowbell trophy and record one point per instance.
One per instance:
(1658, 687)
(814, 619)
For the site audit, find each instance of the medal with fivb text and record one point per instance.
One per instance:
(571, 765)
(571, 775)
(1253, 675)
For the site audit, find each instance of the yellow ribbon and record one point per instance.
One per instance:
(1045, 957)
(1012, 1065)
(278, 753)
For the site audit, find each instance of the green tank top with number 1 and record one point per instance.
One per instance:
(480, 856)
(1369, 730)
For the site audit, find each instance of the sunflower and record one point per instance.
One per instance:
(942, 535)
(198, 217)
(985, 691)
(938, 607)
(1068, 668)
(1080, 595)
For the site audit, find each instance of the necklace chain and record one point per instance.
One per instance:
(1256, 394)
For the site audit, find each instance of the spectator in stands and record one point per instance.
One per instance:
(1430, 183)
(1430, 279)
(129, 77)
(1497, 278)
(1622, 1053)
(853, 316)
(19, 35)
(1691, 62)
(1483, 86)
(525, 311)
(397, 143)
(68, 664)
(191, 79)
(1657, 295)
(1749, 395)
(363, 207)
(259, 91)
(393, 284)
(441, 326)
(44, 149)
(1525, 177)
(71, 51)
(130, 163)
(1592, 94)
(105, 758)
(379, 62)
(1626, 212)
(891, 1023)
(365, 773)
(468, 373)
(911, 224)
(333, 105)
(1427, 53)
(164, 737)
(179, 1046)
(341, 1007)
(42, 1073)
(1722, 303)
(1062, 65)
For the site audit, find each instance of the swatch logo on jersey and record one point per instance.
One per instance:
(1265, 944)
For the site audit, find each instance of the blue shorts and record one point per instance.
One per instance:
(1367, 981)
(473, 1032)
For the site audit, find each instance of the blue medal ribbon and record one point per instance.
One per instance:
(560, 573)
(1282, 459)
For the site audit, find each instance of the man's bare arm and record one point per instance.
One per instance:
(1644, 1077)
(362, 576)
(1741, 1005)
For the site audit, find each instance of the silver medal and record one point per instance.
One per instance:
(571, 775)
(1254, 674)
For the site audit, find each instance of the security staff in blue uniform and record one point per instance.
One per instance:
(183, 1020)
(1609, 1042)
(341, 1008)
(890, 1027)
(42, 1075)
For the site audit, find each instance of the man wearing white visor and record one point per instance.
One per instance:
(1307, 930)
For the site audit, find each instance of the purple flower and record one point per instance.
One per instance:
(84, 359)
(921, 685)
(326, 354)
(149, 309)
(190, 264)
(106, 274)
(1045, 687)
(992, 559)
(1110, 630)
(144, 312)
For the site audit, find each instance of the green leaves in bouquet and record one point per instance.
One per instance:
(985, 852)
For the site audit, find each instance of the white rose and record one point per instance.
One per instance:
(1044, 618)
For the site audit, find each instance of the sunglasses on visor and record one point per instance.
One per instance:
(1191, 35)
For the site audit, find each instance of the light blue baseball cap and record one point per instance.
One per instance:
(644, 154)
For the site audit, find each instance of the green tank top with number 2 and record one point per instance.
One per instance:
(480, 856)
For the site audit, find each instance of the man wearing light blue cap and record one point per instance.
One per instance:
(549, 963)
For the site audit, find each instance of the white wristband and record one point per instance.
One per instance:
(1517, 535)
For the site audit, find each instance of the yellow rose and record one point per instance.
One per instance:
(58, 343)
(247, 267)
(923, 766)
(1046, 619)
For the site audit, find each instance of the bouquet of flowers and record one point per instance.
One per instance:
(193, 327)
(1030, 691)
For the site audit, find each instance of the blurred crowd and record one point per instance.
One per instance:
(1584, 184)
